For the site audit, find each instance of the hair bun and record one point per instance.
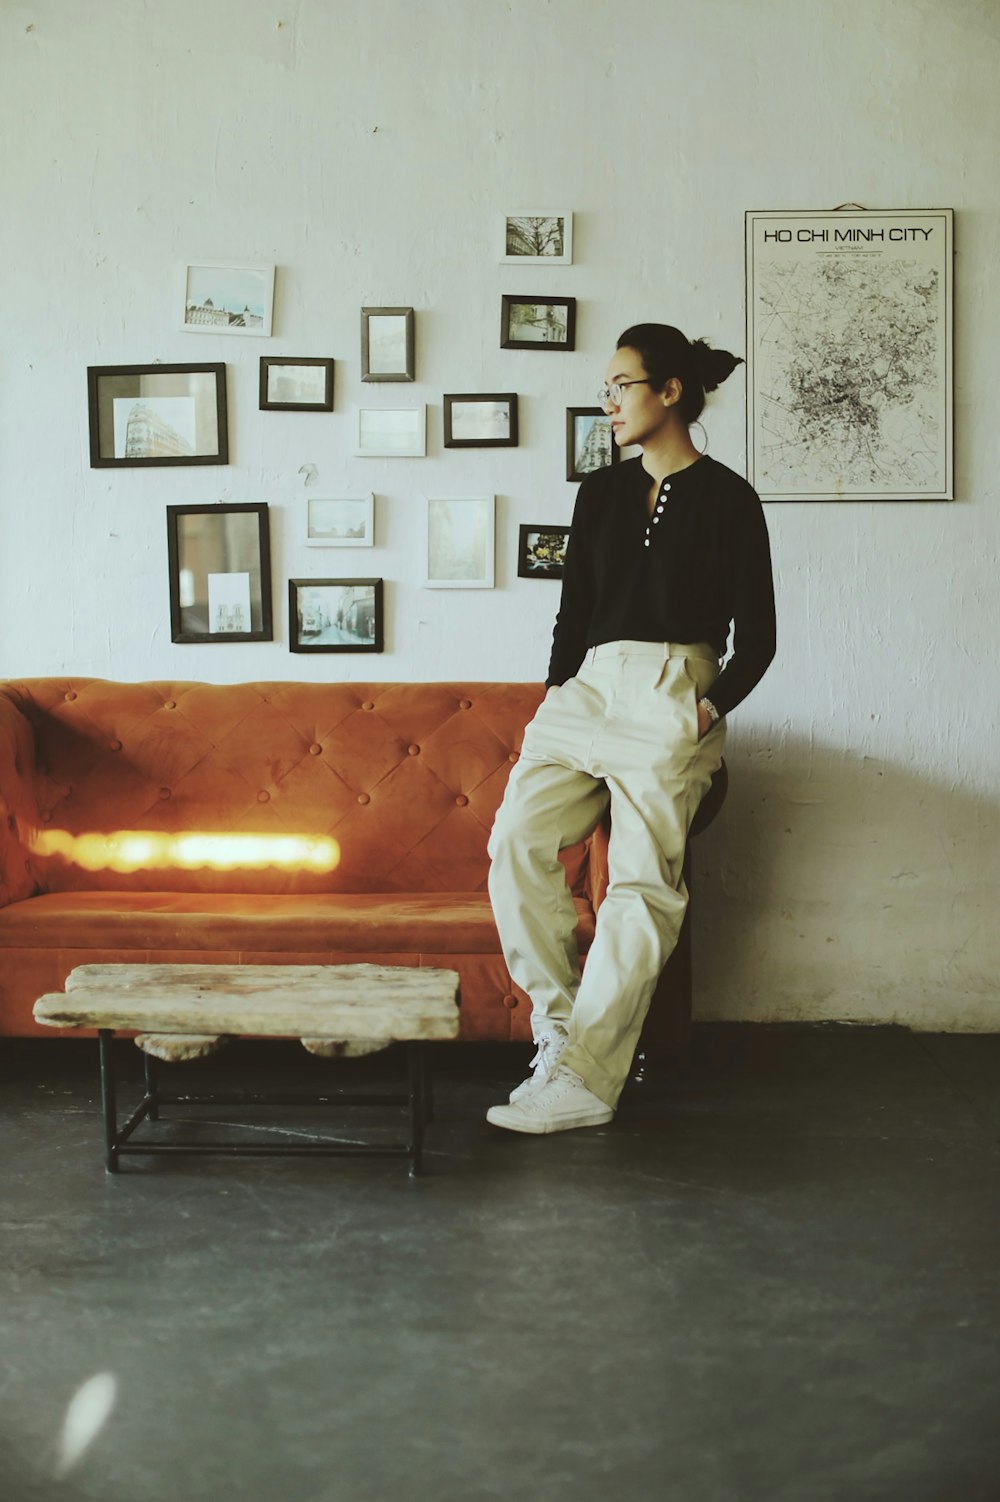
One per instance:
(712, 366)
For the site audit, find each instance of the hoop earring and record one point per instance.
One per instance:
(697, 424)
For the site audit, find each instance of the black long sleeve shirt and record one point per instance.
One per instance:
(701, 564)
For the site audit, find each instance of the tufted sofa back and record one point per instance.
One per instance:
(405, 777)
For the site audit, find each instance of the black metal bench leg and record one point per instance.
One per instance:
(109, 1110)
(418, 1088)
(152, 1086)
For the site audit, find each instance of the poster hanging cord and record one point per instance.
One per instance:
(839, 206)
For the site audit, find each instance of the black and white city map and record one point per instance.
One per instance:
(849, 355)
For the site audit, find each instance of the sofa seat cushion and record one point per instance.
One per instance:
(439, 922)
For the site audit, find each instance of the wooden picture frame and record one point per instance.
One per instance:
(590, 443)
(295, 384)
(537, 322)
(392, 432)
(335, 615)
(387, 344)
(461, 542)
(151, 416)
(222, 297)
(537, 238)
(219, 560)
(541, 551)
(473, 421)
(340, 521)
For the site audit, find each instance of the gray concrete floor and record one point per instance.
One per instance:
(773, 1279)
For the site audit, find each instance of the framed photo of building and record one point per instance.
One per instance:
(537, 322)
(335, 615)
(480, 422)
(590, 443)
(387, 344)
(292, 384)
(220, 573)
(541, 551)
(849, 354)
(220, 298)
(392, 432)
(543, 238)
(460, 542)
(148, 416)
(341, 522)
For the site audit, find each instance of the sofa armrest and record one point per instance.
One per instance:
(597, 865)
(18, 811)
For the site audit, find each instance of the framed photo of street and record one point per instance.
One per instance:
(850, 336)
(150, 416)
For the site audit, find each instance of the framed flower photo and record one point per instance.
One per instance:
(221, 298)
(293, 384)
(537, 322)
(460, 542)
(542, 238)
(541, 551)
(590, 442)
(335, 615)
(341, 522)
(480, 422)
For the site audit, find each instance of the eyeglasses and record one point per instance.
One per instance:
(613, 394)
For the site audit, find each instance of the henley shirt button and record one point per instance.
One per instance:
(666, 487)
(646, 543)
(655, 520)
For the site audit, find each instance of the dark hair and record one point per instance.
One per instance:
(665, 352)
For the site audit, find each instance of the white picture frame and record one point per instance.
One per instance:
(461, 542)
(226, 297)
(340, 521)
(849, 353)
(539, 237)
(392, 432)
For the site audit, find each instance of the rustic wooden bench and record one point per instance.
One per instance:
(187, 1011)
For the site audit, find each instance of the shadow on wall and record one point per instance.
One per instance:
(842, 888)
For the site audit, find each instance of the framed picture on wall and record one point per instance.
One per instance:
(290, 384)
(849, 354)
(541, 551)
(219, 558)
(537, 322)
(220, 298)
(460, 542)
(542, 238)
(480, 422)
(147, 416)
(392, 432)
(335, 615)
(590, 442)
(341, 522)
(387, 344)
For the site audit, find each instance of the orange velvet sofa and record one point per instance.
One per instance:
(271, 823)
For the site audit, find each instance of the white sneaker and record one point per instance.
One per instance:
(549, 1048)
(559, 1104)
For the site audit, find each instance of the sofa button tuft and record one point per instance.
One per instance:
(461, 800)
(413, 750)
(164, 793)
(510, 1002)
(368, 704)
(513, 756)
(116, 745)
(364, 797)
(465, 703)
(170, 703)
(263, 796)
(71, 694)
(315, 748)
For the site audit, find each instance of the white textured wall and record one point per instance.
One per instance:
(367, 150)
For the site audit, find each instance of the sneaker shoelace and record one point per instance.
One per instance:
(550, 1046)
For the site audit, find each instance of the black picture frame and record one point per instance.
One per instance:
(543, 326)
(389, 358)
(270, 363)
(199, 537)
(133, 427)
(353, 613)
(575, 451)
(457, 421)
(535, 559)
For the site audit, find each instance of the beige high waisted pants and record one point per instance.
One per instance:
(624, 730)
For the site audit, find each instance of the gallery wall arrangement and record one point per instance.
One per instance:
(829, 294)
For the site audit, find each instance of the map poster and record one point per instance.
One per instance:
(849, 355)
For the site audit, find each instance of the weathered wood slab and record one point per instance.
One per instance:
(343, 1048)
(178, 1048)
(388, 1003)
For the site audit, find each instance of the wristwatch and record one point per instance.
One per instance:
(713, 713)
